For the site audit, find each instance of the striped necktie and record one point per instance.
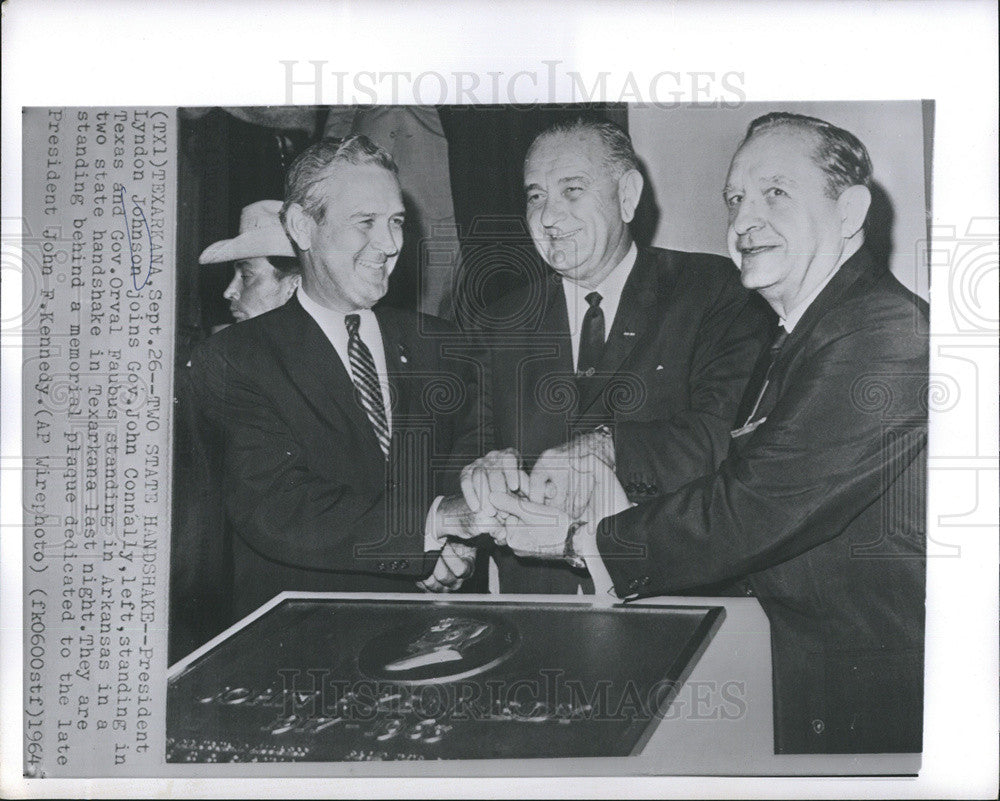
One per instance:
(366, 381)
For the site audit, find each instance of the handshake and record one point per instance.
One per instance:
(551, 514)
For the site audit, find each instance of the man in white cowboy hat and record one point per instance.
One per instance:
(265, 270)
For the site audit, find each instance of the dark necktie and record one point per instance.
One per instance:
(366, 381)
(775, 350)
(591, 337)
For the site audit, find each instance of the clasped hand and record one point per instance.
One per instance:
(532, 514)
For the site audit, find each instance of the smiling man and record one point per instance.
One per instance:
(638, 355)
(334, 448)
(819, 508)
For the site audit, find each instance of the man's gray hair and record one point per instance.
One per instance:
(839, 153)
(619, 155)
(313, 165)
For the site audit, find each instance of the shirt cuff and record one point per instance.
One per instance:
(604, 587)
(432, 542)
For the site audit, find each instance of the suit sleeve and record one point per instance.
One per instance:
(694, 441)
(289, 513)
(852, 418)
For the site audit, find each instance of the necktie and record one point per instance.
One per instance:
(775, 350)
(591, 336)
(366, 381)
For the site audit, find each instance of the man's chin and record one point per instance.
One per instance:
(563, 260)
(375, 293)
(757, 279)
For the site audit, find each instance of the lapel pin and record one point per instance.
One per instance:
(628, 333)
(659, 367)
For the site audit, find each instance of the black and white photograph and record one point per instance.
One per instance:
(595, 429)
(587, 393)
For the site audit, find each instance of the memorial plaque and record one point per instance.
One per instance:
(343, 680)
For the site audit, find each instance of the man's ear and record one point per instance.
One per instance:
(299, 226)
(629, 190)
(852, 205)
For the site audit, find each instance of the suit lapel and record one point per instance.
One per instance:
(313, 365)
(636, 315)
(397, 362)
(857, 268)
(544, 369)
(555, 329)
(555, 322)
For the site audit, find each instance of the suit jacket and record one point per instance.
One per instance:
(314, 503)
(820, 509)
(676, 359)
(201, 564)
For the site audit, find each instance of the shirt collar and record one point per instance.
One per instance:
(610, 289)
(328, 317)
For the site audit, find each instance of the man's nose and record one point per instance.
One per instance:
(387, 238)
(552, 212)
(233, 290)
(747, 216)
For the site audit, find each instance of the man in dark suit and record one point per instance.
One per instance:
(819, 509)
(638, 355)
(340, 424)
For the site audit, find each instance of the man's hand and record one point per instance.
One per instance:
(533, 529)
(564, 476)
(454, 566)
(454, 519)
(539, 530)
(497, 471)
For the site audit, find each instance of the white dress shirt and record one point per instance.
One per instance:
(333, 325)
(610, 290)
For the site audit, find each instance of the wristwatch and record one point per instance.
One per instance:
(569, 553)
